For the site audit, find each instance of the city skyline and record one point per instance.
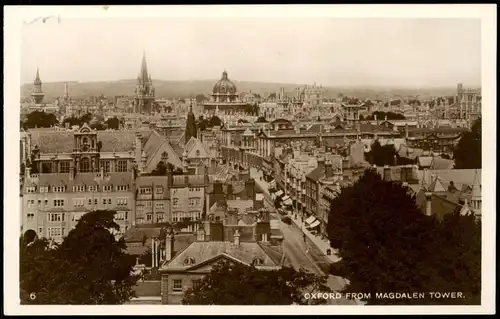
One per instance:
(415, 51)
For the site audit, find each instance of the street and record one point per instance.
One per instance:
(300, 254)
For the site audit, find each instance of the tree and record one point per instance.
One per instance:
(88, 267)
(381, 155)
(215, 121)
(113, 123)
(388, 245)
(467, 154)
(261, 119)
(39, 119)
(200, 98)
(238, 284)
(160, 170)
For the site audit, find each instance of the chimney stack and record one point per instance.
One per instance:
(200, 234)
(236, 237)
(250, 189)
(230, 191)
(387, 173)
(328, 169)
(321, 162)
(169, 245)
(428, 203)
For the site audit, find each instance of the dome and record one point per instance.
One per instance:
(224, 86)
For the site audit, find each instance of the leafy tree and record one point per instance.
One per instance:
(237, 284)
(39, 119)
(88, 267)
(388, 245)
(261, 119)
(381, 155)
(98, 126)
(467, 154)
(113, 123)
(160, 170)
(215, 121)
(200, 98)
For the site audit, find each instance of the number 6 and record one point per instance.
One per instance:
(32, 296)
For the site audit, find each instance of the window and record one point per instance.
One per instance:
(80, 188)
(95, 201)
(30, 189)
(104, 201)
(121, 188)
(159, 190)
(140, 209)
(85, 165)
(121, 166)
(30, 202)
(159, 205)
(196, 283)
(121, 216)
(106, 166)
(46, 167)
(197, 153)
(149, 217)
(140, 220)
(77, 216)
(93, 188)
(175, 202)
(44, 189)
(189, 261)
(145, 190)
(107, 188)
(58, 189)
(55, 217)
(177, 285)
(78, 202)
(164, 157)
(64, 167)
(121, 201)
(58, 202)
(55, 232)
(31, 217)
(258, 262)
(159, 218)
(148, 203)
(90, 201)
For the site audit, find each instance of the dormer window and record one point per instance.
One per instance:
(80, 188)
(31, 189)
(108, 188)
(58, 189)
(257, 262)
(189, 261)
(93, 188)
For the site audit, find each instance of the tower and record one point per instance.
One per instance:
(66, 92)
(37, 93)
(190, 125)
(144, 91)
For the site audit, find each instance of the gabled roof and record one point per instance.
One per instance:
(204, 252)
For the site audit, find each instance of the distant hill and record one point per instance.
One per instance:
(172, 89)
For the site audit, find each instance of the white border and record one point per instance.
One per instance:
(15, 15)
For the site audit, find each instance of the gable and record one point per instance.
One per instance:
(156, 157)
(208, 264)
(197, 149)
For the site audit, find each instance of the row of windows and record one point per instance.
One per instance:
(84, 166)
(149, 190)
(194, 201)
(177, 284)
(77, 188)
(160, 218)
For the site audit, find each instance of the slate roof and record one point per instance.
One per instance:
(55, 179)
(63, 142)
(203, 251)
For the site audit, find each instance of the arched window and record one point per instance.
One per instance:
(189, 261)
(85, 140)
(84, 165)
(198, 153)
(257, 262)
(164, 157)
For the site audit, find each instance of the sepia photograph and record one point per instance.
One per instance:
(248, 156)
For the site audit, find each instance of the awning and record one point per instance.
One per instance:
(279, 193)
(315, 224)
(310, 220)
(288, 202)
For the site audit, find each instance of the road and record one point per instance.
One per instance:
(304, 254)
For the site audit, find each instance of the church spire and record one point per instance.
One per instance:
(37, 77)
(190, 123)
(37, 93)
(144, 68)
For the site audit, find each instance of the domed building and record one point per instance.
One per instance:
(224, 99)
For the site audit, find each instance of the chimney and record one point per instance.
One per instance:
(406, 131)
(250, 189)
(138, 147)
(206, 177)
(72, 172)
(387, 173)
(321, 162)
(170, 177)
(428, 203)
(27, 172)
(169, 245)
(230, 191)
(328, 169)
(102, 172)
(200, 234)
(236, 237)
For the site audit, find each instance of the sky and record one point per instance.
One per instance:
(328, 51)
